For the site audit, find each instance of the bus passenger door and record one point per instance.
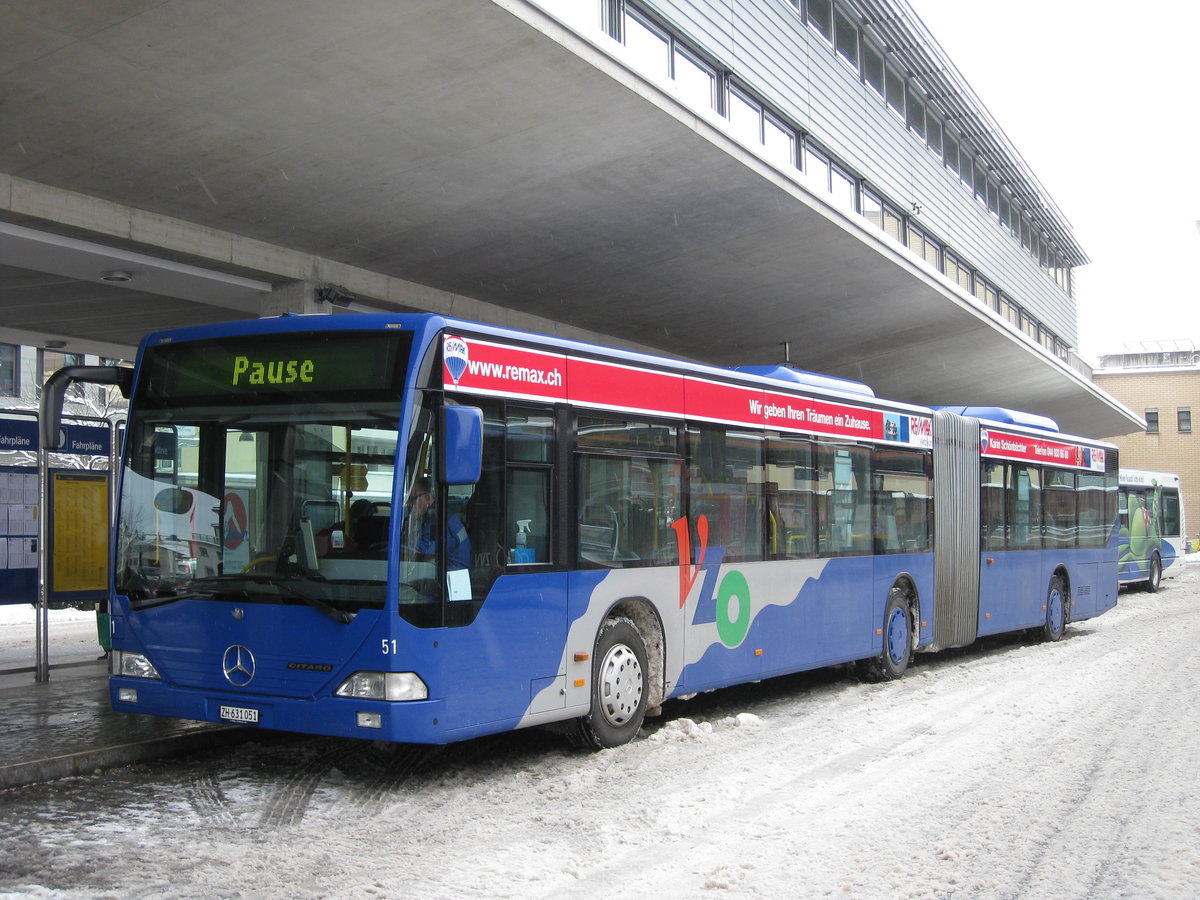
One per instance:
(1012, 580)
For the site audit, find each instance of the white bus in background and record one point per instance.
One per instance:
(1153, 535)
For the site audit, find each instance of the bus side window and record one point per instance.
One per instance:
(482, 505)
(528, 518)
(1169, 509)
(789, 493)
(727, 475)
(529, 456)
(903, 490)
(994, 531)
(1025, 508)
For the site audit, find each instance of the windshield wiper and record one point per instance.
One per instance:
(141, 600)
(338, 615)
(144, 600)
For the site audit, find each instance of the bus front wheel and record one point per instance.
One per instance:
(618, 687)
(897, 641)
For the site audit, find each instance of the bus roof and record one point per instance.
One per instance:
(793, 375)
(427, 324)
(1003, 416)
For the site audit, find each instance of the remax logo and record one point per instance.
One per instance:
(455, 356)
(983, 442)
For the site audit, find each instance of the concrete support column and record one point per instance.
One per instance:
(294, 297)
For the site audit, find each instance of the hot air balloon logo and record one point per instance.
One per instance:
(455, 356)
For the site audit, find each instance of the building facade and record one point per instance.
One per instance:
(855, 99)
(714, 180)
(1163, 385)
(24, 369)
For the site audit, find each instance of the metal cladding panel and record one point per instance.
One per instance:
(787, 64)
(956, 535)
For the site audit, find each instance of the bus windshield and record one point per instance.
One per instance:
(271, 494)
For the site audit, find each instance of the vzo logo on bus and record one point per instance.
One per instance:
(726, 603)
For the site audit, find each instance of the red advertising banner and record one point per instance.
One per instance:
(594, 383)
(1024, 448)
(498, 369)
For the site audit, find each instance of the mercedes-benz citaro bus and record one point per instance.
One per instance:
(419, 529)
(1153, 534)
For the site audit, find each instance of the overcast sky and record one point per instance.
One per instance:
(1103, 106)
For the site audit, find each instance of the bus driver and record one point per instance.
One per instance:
(420, 534)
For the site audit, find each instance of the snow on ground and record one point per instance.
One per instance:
(1010, 770)
(71, 635)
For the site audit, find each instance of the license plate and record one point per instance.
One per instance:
(240, 714)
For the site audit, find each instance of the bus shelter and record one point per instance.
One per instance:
(55, 519)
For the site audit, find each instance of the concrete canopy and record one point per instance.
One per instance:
(475, 148)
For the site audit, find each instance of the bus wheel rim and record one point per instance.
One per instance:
(1056, 610)
(897, 636)
(620, 685)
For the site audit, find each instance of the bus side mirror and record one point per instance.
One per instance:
(55, 390)
(462, 444)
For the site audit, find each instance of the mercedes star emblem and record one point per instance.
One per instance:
(238, 665)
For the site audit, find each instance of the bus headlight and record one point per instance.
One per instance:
(384, 686)
(133, 665)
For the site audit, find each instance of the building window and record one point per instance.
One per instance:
(991, 297)
(847, 39)
(893, 85)
(993, 197)
(650, 46)
(745, 116)
(10, 384)
(921, 244)
(1152, 421)
(957, 271)
(779, 141)
(816, 169)
(656, 53)
(873, 67)
(1185, 418)
(933, 124)
(980, 181)
(820, 17)
(950, 152)
(52, 361)
(842, 185)
(696, 81)
(1010, 311)
(893, 222)
(872, 207)
(916, 111)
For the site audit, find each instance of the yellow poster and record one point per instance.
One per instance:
(79, 543)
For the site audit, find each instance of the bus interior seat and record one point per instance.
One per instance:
(370, 533)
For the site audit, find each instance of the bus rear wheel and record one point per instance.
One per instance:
(618, 687)
(1155, 579)
(1057, 604)
(897, 642)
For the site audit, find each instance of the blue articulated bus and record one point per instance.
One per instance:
(419, 529)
